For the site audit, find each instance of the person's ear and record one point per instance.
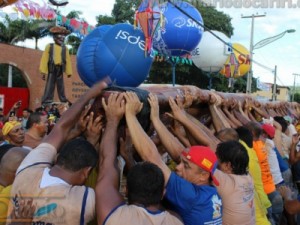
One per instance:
(205, 175)
(228, 167)
(87, 171)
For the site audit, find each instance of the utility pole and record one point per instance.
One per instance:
(294, 88)
(274, 85)
(250, 73)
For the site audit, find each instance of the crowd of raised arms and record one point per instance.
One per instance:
(66, 164)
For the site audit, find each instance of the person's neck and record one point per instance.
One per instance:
(152, 208)
(67, 176)
(34, 133)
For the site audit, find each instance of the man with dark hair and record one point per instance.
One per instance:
(234, 155)
(145, 184)
(145, 181)
(236, 186)
(37, 128)
(77, 154)
(57, 188)
(25, 115)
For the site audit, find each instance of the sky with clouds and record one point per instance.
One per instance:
(284, 52)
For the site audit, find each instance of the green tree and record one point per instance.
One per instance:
(37, 29)
(74, 14)
(102, 20)
(124, 10)
(214, 19)
(297, 97)
(10, 30)
(18, 79)
(73, 39)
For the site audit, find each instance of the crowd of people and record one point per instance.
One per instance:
(68, 164)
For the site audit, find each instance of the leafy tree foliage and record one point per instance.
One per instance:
(18, 79)
(102, 20)
(37, 29)
(123, 10)
(74, 14)
(297, 97)
(214, 19)
(73, 39)
(10, 30)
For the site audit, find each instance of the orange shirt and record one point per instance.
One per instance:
(262, 155)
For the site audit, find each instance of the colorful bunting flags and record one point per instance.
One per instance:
(80, 27)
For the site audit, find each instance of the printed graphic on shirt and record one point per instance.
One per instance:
(217, 205)
(46, 209)
(249, 194)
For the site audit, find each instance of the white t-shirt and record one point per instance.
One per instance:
(132, 214)
(56, 201)
(273, 162)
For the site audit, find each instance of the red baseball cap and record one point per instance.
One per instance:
(203, 157)
(269, 129)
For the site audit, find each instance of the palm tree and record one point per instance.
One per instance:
(73, 39)
(37, 29)
(74, 14)
(10, 31)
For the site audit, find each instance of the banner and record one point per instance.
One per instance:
(33, 10)
(80, 27)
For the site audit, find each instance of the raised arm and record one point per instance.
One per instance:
(141, 141)
(61, 130)
(277, 137)
(218, 120)
(107, 187)
(195, 130)
(294, 155)
(171, 143)
(235, 123)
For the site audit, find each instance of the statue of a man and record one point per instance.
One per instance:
(54, 64)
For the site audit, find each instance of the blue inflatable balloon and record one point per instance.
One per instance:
(180, 34)
(116, 51)
(86, 55)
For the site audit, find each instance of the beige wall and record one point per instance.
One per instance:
(282, 96)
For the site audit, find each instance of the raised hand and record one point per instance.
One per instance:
(153, 101)
(177, 112)
(115, 107)
(133, 104)
(94, 129)
(83, 120)
(98, 87)
(215, 99)
(188, 99)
